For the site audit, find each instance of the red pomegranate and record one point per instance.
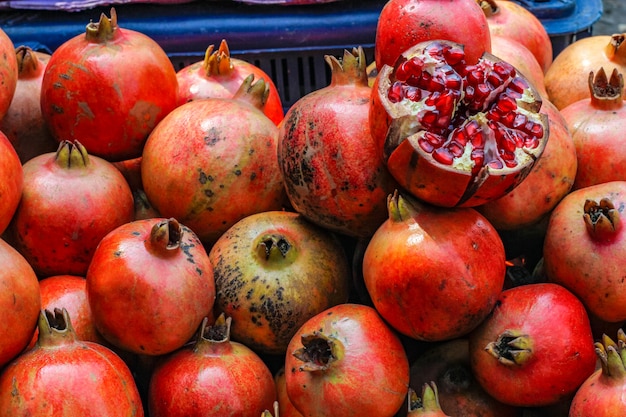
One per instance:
(522, 358)
(405, 23)
(8, 72)
(595, 124)
(212, 162)
(567, 78)
(108, 88)
(154, 277)
(20, 302)
(63, 376)
(23, 123)
(284, 403)
(512, 20)
(346, 361)
(602, 394)
(12, 183)
(215, 377)
(584, 248)
(433, 273)
(70, 201)
(453, 133)
(219, 75)
(331, 168)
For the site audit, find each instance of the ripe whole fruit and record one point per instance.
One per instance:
(346, 361)
(433, 273)
(273, 271)
(524, 360)
(63, 376)
(331, 168)
(212, 162)
(108, 88)
(155, 277)
(12, 182)
(453, 133)
(584, 248)
(404, 23)
(70, 201)
(8, 72)
(215, 377)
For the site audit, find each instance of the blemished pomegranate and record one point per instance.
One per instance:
(214, 377)
(108, 88)
(433, 273)
(596, 126)
(12, 183)
(584, 248)
(603, 393)
(219, 75)
(346, 361)
(404, 23)
(331, 168)
(154, 277)
(63, 376)
(70, 201)
(567, 78)
(453, 133)
(8, 72)
(522, 358)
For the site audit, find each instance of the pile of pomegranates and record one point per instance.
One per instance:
(439, 237)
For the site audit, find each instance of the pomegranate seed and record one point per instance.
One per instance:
(495, 164)
(494, 79)
(453, 81)
(454, 55)
(425, 78)
(476, 77)
(478, 140)
(402, 72)
(434, 139)
(413, 80)
(519, 85)
(519, 122)
(445, 103)
(482, 91)
(432, 99)
(456, 149)
(425, 145)
(415, 64)
(506, 104)
(493, 114)
(413, 93)
(435, 49)
(536, 130)
(444, 121)
(472, 128)
(504, 69)
(508, 119)
(429, 118)
(505, 141)
(436, 84)
(396, 92)
(507, 155)
(511, 163)
(469, 93)
(443, 156)
(512, 93)
(531, 142)
(459, 136)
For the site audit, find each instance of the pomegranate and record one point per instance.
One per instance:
(284, 403)
(274, 271)
(8, 72)
(595, 124)
(427, 405)
(214, 377)
(108, 88)
(12, 183)
(455, 134)
(154, 276)
(404, 23)
(70, 201)
(20, 301)
(219, 75)
(433, 273)
(346, 361)
(567, 78)
(23, 123)
(63, 376)
(512, 20)
(602, 394)
(524, 360)
(331, 168)
(584, 248)
(212, 162)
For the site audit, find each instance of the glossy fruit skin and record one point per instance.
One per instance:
(70, 201)
(212, 162)
(330, 164)
(434, 274)
(273, 271)
(368, 376)
(284, 403)
(212, 378)
(12, 182)
(64, 376)
(8, 72)
(154, 276)
(590, 268)
(84, 78)
(560, 353)
(20, 302)
(404, 23)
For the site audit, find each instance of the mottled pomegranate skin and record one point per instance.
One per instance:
(12, 183)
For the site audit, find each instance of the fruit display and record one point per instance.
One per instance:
(435, 232)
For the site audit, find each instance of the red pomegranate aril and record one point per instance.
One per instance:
(413, 93)
(494, 79)
(453, 81)
(506, 104)
(476, 77)
(443, 156)
(454, 55)
(504, 69)
(425, 145)
(519, 121)
(396, 92)
(518, 85)
(456, 149)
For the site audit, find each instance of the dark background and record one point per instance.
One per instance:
(613, 19)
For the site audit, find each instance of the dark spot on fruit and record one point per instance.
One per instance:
(57, 109)
(208, 193)
(117, 253)
(212, 137)
(237, 172)
(135, 233)
(252, 176)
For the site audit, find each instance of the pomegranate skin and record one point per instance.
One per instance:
(8, 72)
(12, 183)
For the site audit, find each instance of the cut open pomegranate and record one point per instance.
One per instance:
(455, 134)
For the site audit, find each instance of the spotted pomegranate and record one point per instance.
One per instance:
(454, 133)
(584, 248)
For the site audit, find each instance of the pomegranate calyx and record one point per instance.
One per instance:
(602, 220)
(401, 207)
(352, 69)
(217, 62)
(427, 403)
(511, 348)
(218, 332)
(268, 413)
(612, 355)
(318, 352)
(606, 93)
(165, 236)
(615, 50)
(28, 64)
(55, 328)
(274, 249)
(71, 155)
(104, 30)
(254, 93)
(489, 7)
